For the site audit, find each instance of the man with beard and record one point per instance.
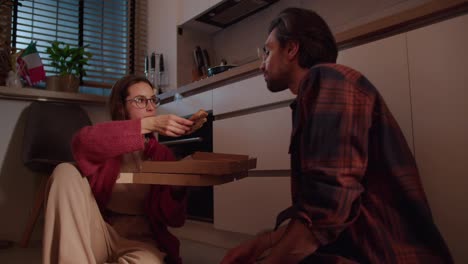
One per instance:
(356, 192)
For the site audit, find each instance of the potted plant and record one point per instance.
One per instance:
(69, 62)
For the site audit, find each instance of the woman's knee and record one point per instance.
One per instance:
(65, 174)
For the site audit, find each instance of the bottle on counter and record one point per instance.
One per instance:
(152, 73)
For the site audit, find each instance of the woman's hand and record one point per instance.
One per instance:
(248, 252)
(167, 125)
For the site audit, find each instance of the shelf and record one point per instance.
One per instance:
(32, 94)
(231, 75)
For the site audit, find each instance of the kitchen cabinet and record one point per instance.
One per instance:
(385, 64)
(188, 105)
(189, 9)
(264, 135)
(250, 205)
(248, 93)
(438, 64)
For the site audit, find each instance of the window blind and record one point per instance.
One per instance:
(114, 30)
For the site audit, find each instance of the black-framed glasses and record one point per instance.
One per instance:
(142, 102)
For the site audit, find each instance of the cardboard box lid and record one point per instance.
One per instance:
(200, 169)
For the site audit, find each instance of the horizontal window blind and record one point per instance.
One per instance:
(106, 31)
(114, 31)
(44, 22)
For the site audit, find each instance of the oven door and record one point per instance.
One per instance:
(200, 199)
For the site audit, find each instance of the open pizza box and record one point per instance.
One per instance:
(199, 169)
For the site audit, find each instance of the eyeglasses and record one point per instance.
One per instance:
(142, 102)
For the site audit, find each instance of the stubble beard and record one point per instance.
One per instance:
(276, 85)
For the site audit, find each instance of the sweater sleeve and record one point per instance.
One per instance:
(93, 145)
(173, 210)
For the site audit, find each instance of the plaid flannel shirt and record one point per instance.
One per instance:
(354, 180)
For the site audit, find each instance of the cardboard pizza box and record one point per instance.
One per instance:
(199, 169)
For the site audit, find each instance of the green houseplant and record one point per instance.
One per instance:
(69, 63)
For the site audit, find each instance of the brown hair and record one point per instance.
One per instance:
(120, 92)
(316, 41)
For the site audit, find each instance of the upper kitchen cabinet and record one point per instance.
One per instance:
(189, 9)
(218, 14)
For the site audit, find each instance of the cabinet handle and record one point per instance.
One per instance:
(182, 141)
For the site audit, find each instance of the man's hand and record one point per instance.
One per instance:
(247, 252)
(296, 243)
(167, 125)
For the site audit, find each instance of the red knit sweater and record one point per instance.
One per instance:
(98, 152)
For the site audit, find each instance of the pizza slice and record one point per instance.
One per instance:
(199, 118)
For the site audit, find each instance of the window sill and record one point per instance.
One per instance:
(32, 94)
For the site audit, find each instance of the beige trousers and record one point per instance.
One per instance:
(75, 231)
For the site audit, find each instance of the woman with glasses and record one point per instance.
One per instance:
(89, 218)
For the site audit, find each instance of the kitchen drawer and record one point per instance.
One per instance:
(188, 105)
(264, 135)
(248, 93)
(250, 205)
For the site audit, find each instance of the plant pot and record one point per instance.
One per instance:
(67, 83)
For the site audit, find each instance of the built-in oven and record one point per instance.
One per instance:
(200, 199)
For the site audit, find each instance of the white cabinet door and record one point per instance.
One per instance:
(385, 64)
(264, 135)
(250, 205)
(188, 105)
(248, 93)
(438, 60)
(189, 9)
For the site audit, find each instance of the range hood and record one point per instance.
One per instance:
(232, 11)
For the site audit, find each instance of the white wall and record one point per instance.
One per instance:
(162, 34)
(18, 185)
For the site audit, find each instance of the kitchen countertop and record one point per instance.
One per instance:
(208, 83)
